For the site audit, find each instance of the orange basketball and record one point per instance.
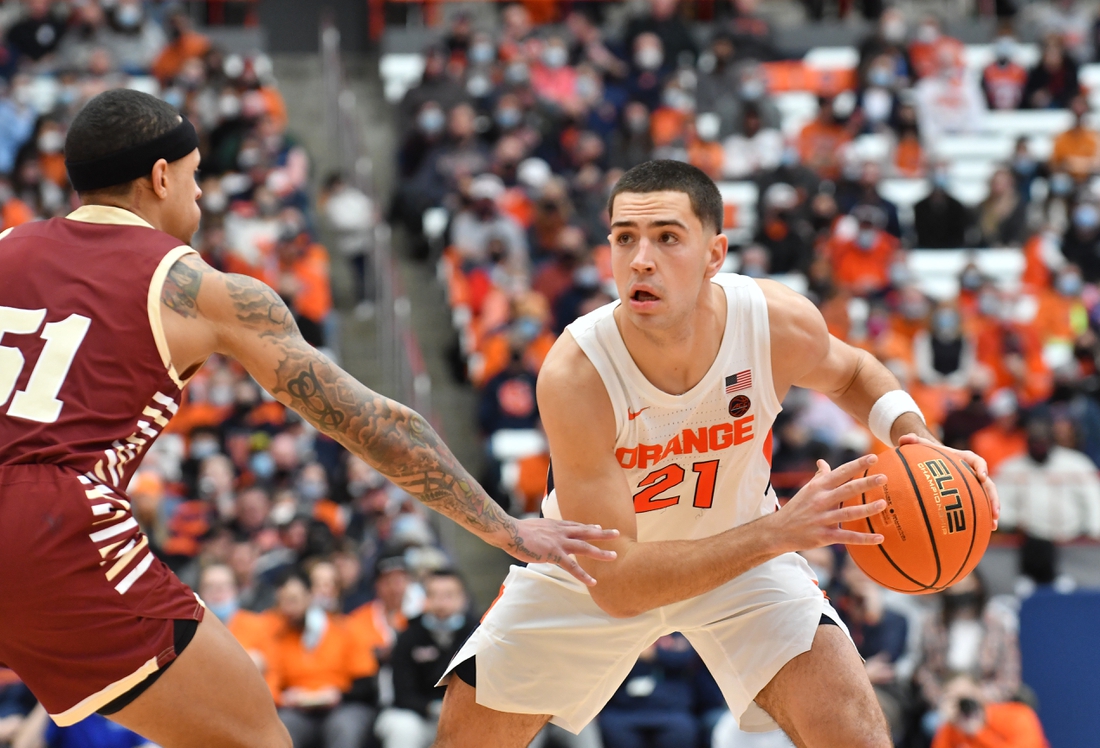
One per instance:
(936, 523)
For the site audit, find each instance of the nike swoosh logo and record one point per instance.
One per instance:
(630, 416)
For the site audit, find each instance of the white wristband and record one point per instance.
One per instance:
(887, 409)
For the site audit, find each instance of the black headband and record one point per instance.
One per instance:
(131, 163)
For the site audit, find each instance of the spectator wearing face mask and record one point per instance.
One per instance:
(648, 71)
(663, 21)
(971, 721)
(1052, 83)
(931, 48)
(784, 232)
(754, 150)
(865, 191)
(507, 401)
(888, 39)
(586, 286)
(704, 151)
(1003, 80)
(1008, 345)
(967, 635)
(552, 78)
(1002, 216)
(474, 226)
(942, 355)
(427, 133)
(1062, 317)
(631, 144)
(304, 277)
(948, 101)
(322, 682)
(38, 33)
(1077, 151)
(821, 142)
(183, 44)
(1004, 438)
(421, 656)
(940, 220)
(254, 631)
(862, 252)
(1052, 495)
(529, 330)
(1081, 243)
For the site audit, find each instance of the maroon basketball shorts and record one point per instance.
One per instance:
(86, 610)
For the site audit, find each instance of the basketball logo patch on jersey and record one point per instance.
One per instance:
(742, 380)
(739, 406)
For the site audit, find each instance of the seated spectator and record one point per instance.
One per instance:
(649, 69)
(750, 31)
(1024, 168)
(1081, 242)
(1003, 80)
(39, 731)
(474, 227)
(967, 635)
(552, 78)
(1077, 150)
(970, 720)
(1004, 438)
(1002, 216)
(931, 48)
(821, 142)
(703, 149)
(943, 355)
(38, 33)
(941, 221)
(783, 232)
(1052, 83)
(304, 277)
(632, 143)
(888, 39)
(663, 21)
(879, 96)
(380, 621)
(880, 636)
(908, 154)
(948, 102)
(421, 656)
(754, 149)
(254, 631)
(653, 707)
(1052, 495)
(1011, 349)
(862, 252)
(322, 682)
(183, 44)
(507, 401)
(1062, 315)
(865, 191)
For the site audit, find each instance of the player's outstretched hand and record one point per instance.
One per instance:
(974, 461)
(556, 542)
(811, 519)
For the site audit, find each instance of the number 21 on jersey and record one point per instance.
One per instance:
(38, 400)
(670, 476)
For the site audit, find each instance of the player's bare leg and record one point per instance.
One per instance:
(466, 724)
(822, 698)
(211, 697)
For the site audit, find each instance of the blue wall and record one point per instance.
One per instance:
(1060, 644)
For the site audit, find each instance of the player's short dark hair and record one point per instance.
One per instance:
(114, 121)
(674, 176)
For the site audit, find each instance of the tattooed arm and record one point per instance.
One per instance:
(206, 312)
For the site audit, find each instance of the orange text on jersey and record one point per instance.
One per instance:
(688, 441)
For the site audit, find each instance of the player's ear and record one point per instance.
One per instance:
(159, 177)
(716, 253)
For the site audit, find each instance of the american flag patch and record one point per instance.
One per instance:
(742, 380)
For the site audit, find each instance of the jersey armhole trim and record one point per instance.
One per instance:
(156, 286)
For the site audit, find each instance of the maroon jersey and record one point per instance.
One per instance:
(85, 376)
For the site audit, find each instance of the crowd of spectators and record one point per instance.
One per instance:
(516, 134)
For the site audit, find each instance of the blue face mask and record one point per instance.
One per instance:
(450, 624)
(262, 465)
(865, 240)
(1069, 284)
(946, 321)
(939, 180)
(224, 611)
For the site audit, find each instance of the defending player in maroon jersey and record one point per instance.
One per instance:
(104, 316)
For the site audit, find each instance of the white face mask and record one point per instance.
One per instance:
(51, 141)
(649, 58)
(555, 57)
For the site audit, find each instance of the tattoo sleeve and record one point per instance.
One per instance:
(393, 438)
(181, 289)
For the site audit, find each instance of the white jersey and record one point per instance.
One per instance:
(697, 463)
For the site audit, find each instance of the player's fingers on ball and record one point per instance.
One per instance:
(849, 470)
(848, 537)
(859, 511)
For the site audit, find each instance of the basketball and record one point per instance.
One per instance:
(936, 523)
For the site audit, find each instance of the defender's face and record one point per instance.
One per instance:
(661, 256)
(183, 212)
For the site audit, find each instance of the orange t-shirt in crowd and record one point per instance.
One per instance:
(336, 661)
(1059, 318)
(997, 445)
(707, 157)
(926, 56)
(275, 106)
(908, 157)
(1004, 85)
(372, 628)
(862, 270)
(254, 631)
(1009, 725)
(53, 168)
(1036, 273)
(1076, 152)
(819, 145)
(314, 298)
(15, 213)
(666, 125)
(496, 352)
(990, 351)
(171, 59)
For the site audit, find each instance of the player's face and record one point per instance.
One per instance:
(182, 214)
(661, 256)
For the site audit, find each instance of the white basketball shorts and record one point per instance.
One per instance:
(544, 647)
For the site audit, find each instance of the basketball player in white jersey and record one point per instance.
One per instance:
(658, 411)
